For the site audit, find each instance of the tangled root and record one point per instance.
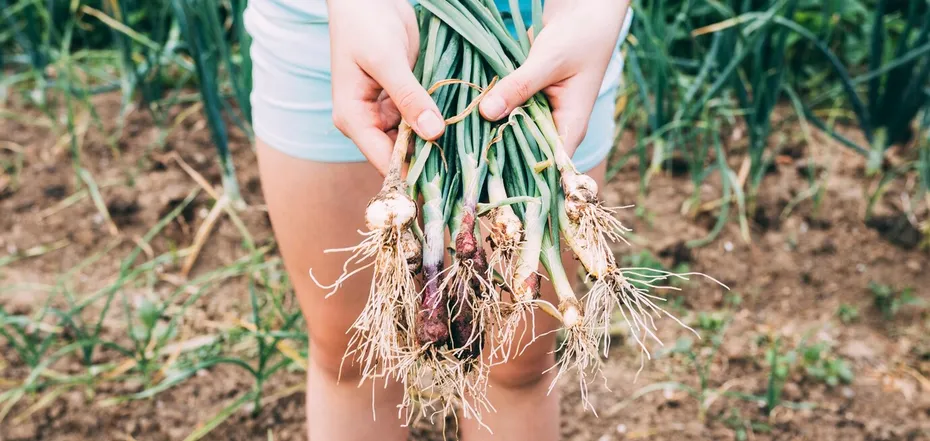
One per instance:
(449, 375)
(441, 384)
(595, 223)
(595, 219)
(628, 290)
(383, 334)
(579, 352)
(474, 306)
(511, 331)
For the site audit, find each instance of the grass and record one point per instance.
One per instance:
(720, 397)
(738, 63)
(157, 349)
(65, 51)
(160, 353)
(690, 62)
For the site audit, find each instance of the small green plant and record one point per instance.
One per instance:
(733, 300)
(737, 423)
(822, 365)
(29, 338)
(780, 365)
(712, 322)
(847, 313)
(889, 301)
(743, 427)
(700, 357)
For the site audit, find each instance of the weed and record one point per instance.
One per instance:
(700, 358)
(733, 300)
(889, 301)
(712, 322)
(822, 365)
(847, 313)
(780, 365)
(29, 338)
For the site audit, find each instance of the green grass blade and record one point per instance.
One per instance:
(223, 415)
(876, 52)
(859, 107)
(722, 167)
(196, 28)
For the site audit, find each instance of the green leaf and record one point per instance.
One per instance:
(148, 313)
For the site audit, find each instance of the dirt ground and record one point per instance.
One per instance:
(786, 284)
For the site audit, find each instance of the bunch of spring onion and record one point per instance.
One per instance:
(442, 311)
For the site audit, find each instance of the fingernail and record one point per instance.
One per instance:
(494, 107)
(430, 124)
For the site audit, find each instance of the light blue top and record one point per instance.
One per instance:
(315, 10)
(292, 95)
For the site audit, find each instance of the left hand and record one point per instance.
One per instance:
(567, 61)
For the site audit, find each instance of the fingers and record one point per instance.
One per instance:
(378, 148)
(411, 99)
(373, 142)
(572, 125)
(390, 117)
(517, 88)
(572, 103)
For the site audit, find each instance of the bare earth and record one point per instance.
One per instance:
(788, 282)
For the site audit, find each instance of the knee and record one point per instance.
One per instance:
(327, 352)
(526, 371)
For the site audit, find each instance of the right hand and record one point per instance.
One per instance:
(374, 44)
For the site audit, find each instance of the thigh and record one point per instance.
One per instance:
(315, 206)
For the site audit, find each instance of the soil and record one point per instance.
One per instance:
(787, 283)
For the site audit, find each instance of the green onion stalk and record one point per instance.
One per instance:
(471, 293)
(447, 371)
(381, 335)
(531, 174)
(588, 225)
(579, 346)
(473, 299)
(481, 25)
(432, 318)
(434, 340)
(505, 232)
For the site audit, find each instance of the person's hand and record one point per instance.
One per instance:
(567, 61)
(374, 44)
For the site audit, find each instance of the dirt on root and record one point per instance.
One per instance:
(791, 268)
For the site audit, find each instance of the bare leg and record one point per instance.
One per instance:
(316, 206)
(518, 389)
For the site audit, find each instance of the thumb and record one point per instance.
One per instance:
(516, 89)
(414, 103)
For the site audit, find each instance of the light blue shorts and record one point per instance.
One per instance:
(292, 94)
